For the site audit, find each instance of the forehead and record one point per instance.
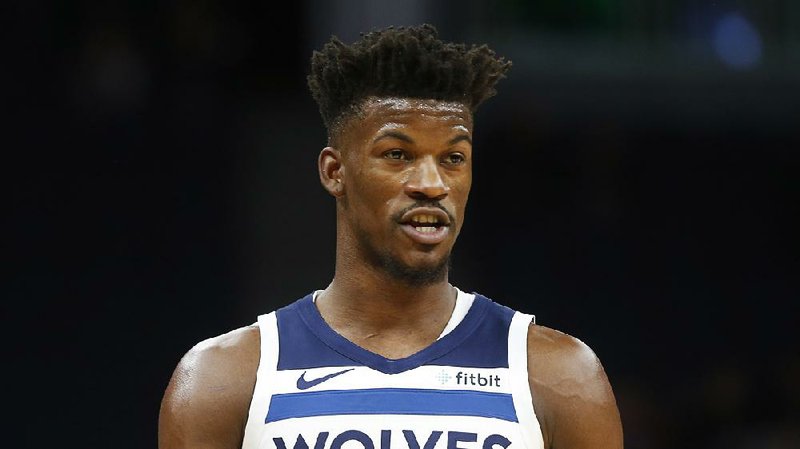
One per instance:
(376, 115)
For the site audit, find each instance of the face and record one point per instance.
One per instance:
(406, 172)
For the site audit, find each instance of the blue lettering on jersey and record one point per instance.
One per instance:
(495, 440)
(354, 435)
(322, 437)
(412, 441)
(453, 438)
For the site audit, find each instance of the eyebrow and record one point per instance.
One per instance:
(459, 138)
(394, 135)
(405, 138)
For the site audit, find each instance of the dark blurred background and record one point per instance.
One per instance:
(635, 186)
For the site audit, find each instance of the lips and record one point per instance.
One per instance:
(427, 226)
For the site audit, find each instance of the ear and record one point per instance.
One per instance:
(331, 171)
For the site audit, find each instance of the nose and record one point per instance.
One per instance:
(425, 181)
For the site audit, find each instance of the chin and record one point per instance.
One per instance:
(420, 273)
(415, 265)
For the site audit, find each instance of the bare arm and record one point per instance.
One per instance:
(571, 393)
(206, 403)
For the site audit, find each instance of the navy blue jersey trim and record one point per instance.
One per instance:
(300, 348)
(308, 312)
(392, 401)
(486, 346)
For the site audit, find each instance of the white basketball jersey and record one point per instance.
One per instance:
(468, 390)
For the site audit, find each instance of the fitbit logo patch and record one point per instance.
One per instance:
(469, 378)
(443, 377)
(477, 379)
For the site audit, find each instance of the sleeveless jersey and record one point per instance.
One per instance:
(467, 390)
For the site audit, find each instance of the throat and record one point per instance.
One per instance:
(393, 346)
(391, 329)
(389, 335)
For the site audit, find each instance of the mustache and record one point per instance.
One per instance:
(418, 204)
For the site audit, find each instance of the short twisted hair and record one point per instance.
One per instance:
(405, 62)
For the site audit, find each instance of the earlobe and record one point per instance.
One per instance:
(331, 171)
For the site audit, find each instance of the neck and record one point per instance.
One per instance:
(380, 297)
(378, 312)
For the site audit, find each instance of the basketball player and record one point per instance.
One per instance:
(390, 355)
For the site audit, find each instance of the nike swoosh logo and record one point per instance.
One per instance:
(303, 384)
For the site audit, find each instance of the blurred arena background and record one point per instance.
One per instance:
(636, 186)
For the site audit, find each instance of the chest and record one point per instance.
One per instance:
(315, 389)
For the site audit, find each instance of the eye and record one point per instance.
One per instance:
(455, 159)
(396, 154)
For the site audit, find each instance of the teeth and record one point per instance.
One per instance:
(424, 219)
(425, 228)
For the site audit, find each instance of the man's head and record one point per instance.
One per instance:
(398, 105)
(404, 62)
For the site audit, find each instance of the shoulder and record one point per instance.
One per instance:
(553, 355)
(572, 395)
(237, 348)
(210, 390)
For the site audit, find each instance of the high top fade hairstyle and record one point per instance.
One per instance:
(403, 62)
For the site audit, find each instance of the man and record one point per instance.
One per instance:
(390, 354)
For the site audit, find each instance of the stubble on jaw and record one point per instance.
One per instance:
(412, 276)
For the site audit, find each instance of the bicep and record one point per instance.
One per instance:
(589, 421)
(206, 403)
(572, 394)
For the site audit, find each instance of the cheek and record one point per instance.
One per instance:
(460, 189)
(372, 196)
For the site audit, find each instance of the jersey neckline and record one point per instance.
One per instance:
(313, 319)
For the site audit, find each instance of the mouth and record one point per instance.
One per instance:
(427, 226)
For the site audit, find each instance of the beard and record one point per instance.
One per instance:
(413, 276)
